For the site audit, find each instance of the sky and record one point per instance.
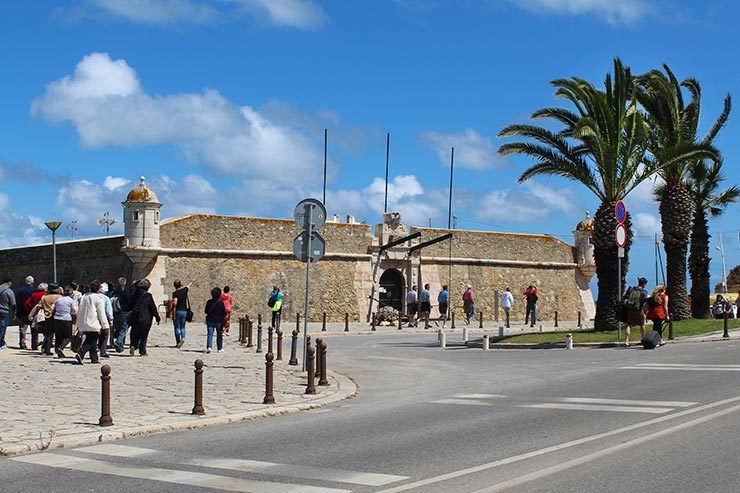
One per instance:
(222, 105)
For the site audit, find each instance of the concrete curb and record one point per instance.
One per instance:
(346, 389)
(595, 345)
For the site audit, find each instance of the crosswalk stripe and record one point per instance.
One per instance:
(588, 400)
(480, 396)
(688, 365)
(464, 402)
(297, 471)
(116, 450)
(175, 476)
(596, 407)
(680, 368)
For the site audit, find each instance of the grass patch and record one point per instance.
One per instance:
(689, 327)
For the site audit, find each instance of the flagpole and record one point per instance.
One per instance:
(326, 138)
(387, 159)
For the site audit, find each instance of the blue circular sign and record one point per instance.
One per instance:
(620, 211)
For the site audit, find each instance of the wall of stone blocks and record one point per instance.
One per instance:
(254, 233)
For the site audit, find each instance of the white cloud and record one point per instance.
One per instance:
(112, 183)
(472, 150)
(646, 225)
(642, 196)
(105, 102)
(301, 14)
(191, 195)
(612, 11)
(529, 204)
(17, 229)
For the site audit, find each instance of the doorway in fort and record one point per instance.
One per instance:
(391, 292)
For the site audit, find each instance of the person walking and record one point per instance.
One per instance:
(658, 309)
(275, 302)
(469, 304)
(7, 306)
(228, 299)
(105, 334)
(443, 299)
(30, 304)
(141, 316)
(123, 297)
(507, 301)
(91, 319)
(531, 297)
(47, 326)
(22, 313)
(182, 305)
(412, 305)
(65, 312)
(215, 313)
(635, 302)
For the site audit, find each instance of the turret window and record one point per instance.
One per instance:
(156, 217)
(136, 216)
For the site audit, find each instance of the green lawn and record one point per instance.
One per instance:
(690, 327)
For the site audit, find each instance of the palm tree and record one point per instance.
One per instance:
(602, 146)
(672, 149)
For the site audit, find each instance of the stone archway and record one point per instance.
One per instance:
(392, 289)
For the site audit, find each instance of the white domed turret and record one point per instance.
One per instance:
(584, 247)
(141, 217)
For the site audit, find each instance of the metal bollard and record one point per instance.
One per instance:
(725, 334)
(198, 407)
(269, 339)
(373, 321)
(465, 335)
(400, 321)
(501, 332)
(269, 398)
(439, 335)
(480, 323)
(317, 373)
(105, 418)
(485, 342)
(259, 337)
(250, 332)
(346, 322)
(670, 328)
(279, 345)
(556, 318)
(298, 322)
(311, 386)
(540, 328)
(580, 325)
(323, 322)
(568, 341)
(452, 318)
(322, 378)
(293, 348)
(426, 320)
(443, 340)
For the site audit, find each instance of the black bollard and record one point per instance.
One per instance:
(346, 322)
(579, 319)
(452, 320)
(322, 354)
(480, 323)
(670, 329)
(317, 373)
(105, 418)
(373, 321)
(269, 398)
(556, 318)
(198, 407)
(269, 339)
(279, 345)
(726, 333)
(400, 320)
(298, 322)
(293, 349)
(249, 333)
(259, 337)
(323, 322)
(310, 387)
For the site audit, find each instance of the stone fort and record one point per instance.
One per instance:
(355, 276)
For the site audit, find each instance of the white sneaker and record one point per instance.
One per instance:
(208, 350)
(220, 350)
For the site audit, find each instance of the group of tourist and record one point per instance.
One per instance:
(641, 305)
(96, 317)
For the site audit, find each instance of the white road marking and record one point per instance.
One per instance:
(599, 407)
(296, 471)
(541, 473)
(687, 365)
(464, 402)
(116, 450)
(588, 400)
(480, 396)
(170, 475)
(674, 368)
(554, 448)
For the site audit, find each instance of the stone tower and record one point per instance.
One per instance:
(141, 226)
(584, 247)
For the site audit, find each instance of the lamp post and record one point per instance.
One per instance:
(721, 250)
(108, 221)
(72, 227)
(53, 226)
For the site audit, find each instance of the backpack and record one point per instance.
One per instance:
(718, 308)
(115, 301)
(273, 299)
(651, 303)
(633, 299)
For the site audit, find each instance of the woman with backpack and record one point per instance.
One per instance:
(215, 313)
(634, 300)
(658, 309)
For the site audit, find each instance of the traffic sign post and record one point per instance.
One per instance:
(620, 238)
(309, 214)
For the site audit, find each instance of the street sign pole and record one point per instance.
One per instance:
(308, 284)
(620, 238)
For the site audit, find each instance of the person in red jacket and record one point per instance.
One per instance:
(531, 296)
(31, 303)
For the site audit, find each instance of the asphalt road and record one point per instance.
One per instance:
(455, 420)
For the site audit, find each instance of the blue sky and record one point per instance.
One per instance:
(222, 105)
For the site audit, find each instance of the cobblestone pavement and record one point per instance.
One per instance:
(51, 402)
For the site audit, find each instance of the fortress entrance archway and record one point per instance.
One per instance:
(391, 292)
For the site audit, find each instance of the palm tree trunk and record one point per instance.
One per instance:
(675, 215)
(699, 265)
(605, 256)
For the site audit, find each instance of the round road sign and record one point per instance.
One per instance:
(620, 211)
(310, 210)
(620, 235)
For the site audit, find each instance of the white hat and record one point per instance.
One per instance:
(104, 286)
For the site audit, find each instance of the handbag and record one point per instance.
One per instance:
(189, 312)
(76, 343)
(37, 316)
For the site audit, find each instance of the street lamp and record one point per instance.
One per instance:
(721, 250)
(108, 221)
(53, 226)
(73, 228)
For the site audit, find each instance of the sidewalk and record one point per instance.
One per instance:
(489, 327)
(52, 403)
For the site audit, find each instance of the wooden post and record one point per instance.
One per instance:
(105, 417)
(198, 408)
(311, 386)
(279, 345)
(322, 378)
(269, 397)
(346, 322)
(323, 322)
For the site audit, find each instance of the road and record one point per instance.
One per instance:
(455, 420)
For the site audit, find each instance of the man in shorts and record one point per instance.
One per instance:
(412, 305)
(443, 299)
